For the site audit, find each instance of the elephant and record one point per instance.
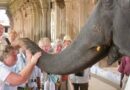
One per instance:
(107, 27)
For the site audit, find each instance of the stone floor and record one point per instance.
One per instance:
(99, 83)
(104, 78)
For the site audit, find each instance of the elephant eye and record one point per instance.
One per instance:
(108, 3)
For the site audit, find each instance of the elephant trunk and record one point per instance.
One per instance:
(91, 45)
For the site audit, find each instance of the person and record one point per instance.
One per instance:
(45, 44)
(8, 58)
(51, 79)
(124, 69)
(20, 64)
(66, 41)
(128, 84)
(80, 80)
(64, 78)
(3, 38)
(33, 83)
(12, 36)
(58, 46)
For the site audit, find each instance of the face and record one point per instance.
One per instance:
(45, 46)
(58, 48)
(11, 58)
(66, 43)
(1, 30)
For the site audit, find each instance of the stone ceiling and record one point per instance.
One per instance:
(4, 3)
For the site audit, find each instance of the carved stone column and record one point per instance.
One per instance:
(68, 8)
(44, 22)
(43, 18)
(58, 19)
(61, 18)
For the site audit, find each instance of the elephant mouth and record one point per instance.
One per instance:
(113, 55)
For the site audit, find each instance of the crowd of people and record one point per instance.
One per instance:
(9, 79)
(19, 72)
(18, 68)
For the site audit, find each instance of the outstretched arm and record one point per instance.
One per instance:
(16, 79)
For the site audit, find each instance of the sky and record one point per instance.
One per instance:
(4, 20)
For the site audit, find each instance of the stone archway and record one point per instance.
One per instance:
(35, 16)
(70, 15)
(29, 17)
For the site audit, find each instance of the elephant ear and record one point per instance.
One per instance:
(121, 32)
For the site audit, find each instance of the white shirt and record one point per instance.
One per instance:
(36, 73)
(20, 64)
(128, 84)
(4, 72)
(80, 79)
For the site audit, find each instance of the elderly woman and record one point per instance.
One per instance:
(49, 80)
(45, 44)
(8, 57)
(58, 46)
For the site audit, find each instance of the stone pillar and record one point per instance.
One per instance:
(61, 19)
(44, 9)
(82, 13)
(36, 23)
(53, 20)
(44, 22)
(48, 19)
(58, 19)
(76, 17)
(58, 22)
(22, 34)
(32, 17)
(68, 8)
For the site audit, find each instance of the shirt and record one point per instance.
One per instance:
(4, 72)
(32, 80)
(20, 64)
(127, 84)
(125, 65)
(81, 79)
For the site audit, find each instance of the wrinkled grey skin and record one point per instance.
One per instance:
(113, 55)
(108, 26)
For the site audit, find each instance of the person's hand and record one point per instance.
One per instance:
(32, 58)
(17, 43)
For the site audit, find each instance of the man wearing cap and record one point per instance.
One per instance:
(66, 41)
(64, 78)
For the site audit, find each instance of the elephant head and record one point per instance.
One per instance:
(107, 27)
